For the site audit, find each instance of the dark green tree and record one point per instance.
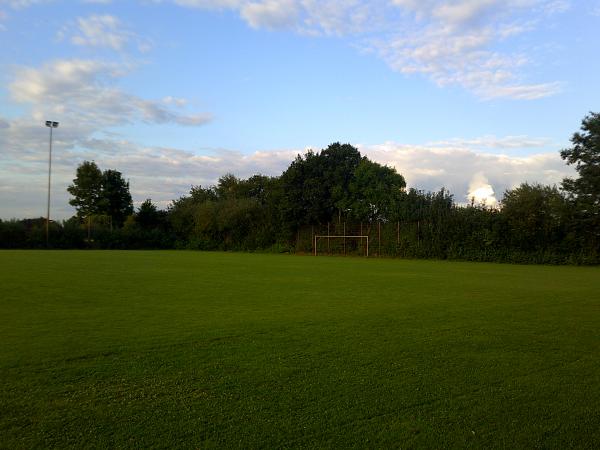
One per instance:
(536, 215)
(229, 186)
(182, 213)
(115, 197)
(584, 191)
(87, 190)
(148, 216)
(303, 196)
(315, 186)
(373, 192)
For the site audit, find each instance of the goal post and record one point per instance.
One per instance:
(327, 236)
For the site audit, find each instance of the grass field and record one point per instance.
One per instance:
(200, 350)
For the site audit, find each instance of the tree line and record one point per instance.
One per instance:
(339, 191)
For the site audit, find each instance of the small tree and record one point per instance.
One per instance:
(147, 215)
(86, 190)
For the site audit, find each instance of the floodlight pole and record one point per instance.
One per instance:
(50, 124)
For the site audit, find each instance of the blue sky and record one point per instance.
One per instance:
(474, 95)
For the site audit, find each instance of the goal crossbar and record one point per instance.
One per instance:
(337, 236)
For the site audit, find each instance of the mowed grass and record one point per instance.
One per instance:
(201, 350)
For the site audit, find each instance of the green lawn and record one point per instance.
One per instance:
(200, 350)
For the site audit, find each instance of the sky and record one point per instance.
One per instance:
(476, 96)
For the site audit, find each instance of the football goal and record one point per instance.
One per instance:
(343, 237)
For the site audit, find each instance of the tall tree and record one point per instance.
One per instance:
(86, 190)
(585, 190)
(314, 186)
(115, 197)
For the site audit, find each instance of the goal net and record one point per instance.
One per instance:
(325, 241)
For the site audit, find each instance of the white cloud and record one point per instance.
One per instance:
(336, 17)
(85, 91)
(481, 191)
(210, 4)
(521, 92)
(450, 42)
(464, 11)
(100, 31)
(18, 4)
(453, 44)
(495, 143)
(270, 13)
(329, 17)
(557, 6)
(169, 100)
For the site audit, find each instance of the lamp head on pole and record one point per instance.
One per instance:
(51, 124)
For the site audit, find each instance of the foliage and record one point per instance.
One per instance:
(536, 215)
(97, 193)
(584, 191)
(585, 155)
(374, 192)
(315, 186)
(116, 200)
(148, 216)
(87, 190)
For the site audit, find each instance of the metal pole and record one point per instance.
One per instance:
(344, 238)
(49, 178)
(361, 233)
(379, 238)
